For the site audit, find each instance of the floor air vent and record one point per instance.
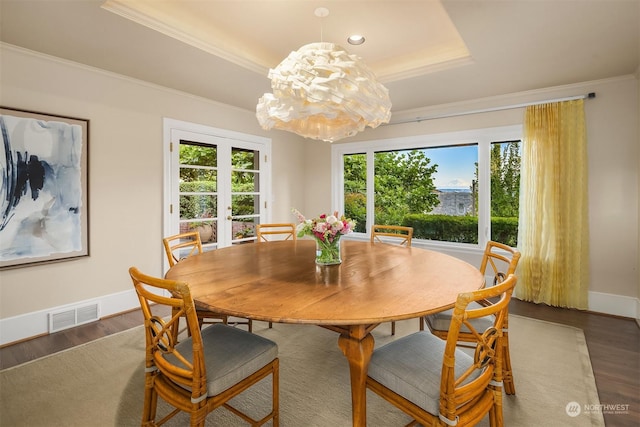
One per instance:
(74, 316)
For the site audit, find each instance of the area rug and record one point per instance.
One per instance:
(101, 383)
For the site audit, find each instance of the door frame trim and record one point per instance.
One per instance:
(168, 125)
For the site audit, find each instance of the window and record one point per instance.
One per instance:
(459, 187)
(505, 191)
(355, 189)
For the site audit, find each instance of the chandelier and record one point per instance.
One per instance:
(322, 92)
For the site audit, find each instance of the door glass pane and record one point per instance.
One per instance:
(208, 230)
(244, 159)
(355, 189)
(244, 204)
(245, 194)
(198, 206)
(505, 191)
(198, 179)
(198, 190)
(244, 229)
(197, 154)
(244, 181)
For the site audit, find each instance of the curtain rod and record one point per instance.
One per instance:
(590, 95)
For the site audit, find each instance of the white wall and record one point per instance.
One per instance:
(125, 174)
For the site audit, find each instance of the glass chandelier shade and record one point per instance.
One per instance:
(322, 92)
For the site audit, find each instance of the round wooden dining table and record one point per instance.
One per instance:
(375, 283)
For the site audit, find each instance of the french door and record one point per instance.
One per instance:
(217, 183)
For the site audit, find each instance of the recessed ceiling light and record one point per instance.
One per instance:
(355, 39)
(321, 12)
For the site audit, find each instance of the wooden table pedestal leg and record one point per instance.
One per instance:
(357, 345)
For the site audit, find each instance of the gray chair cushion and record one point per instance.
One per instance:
(441, 321)
(231, 355)
(412, 367)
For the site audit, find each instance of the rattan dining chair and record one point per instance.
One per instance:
(283, 231)
(498, 262)
(183, 245)
(394, 234)
(439, 384)
(206, 370)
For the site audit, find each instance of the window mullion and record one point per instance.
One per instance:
(484, 190)
(370, 190)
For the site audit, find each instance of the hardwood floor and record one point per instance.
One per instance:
(614, 347)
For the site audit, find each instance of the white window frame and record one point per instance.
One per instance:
(482, 137)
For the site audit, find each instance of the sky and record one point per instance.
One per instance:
(456, 165)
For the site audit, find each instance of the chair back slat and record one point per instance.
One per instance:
(284, 231)
(180, 246)
(392, 234)
(499, 260)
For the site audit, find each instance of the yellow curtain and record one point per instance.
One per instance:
(553, 234)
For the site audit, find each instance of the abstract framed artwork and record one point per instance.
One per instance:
(44, 194)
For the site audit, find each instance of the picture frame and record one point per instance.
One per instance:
(44, 200)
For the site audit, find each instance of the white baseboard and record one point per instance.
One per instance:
(617, 305)
(29, 325)
(36, 323)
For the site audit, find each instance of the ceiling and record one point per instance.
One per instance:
(425, 52)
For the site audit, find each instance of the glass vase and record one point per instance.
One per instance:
(328, 253)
